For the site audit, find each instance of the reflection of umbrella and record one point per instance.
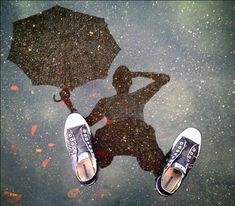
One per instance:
(59, 46)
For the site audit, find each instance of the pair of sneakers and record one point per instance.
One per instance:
(180, 159)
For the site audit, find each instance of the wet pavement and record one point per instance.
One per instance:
(190, 41)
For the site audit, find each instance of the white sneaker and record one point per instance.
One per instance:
(78, 140)
(182, 156)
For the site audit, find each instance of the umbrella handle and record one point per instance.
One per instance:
(56, 100)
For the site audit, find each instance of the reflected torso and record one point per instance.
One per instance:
(121, 107)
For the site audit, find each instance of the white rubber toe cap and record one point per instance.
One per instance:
(190, 133)
(73, 120)
(193, 134)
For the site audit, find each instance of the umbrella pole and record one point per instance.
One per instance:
(65, 97)
(69, 105)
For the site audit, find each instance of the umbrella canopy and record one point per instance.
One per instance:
(60, 46)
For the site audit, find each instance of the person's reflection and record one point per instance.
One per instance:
(126, 133)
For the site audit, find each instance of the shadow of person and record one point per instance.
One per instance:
(125, 132)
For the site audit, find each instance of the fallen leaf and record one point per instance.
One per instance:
(51, 145)
(34, 129)
(14, 148)
(38, 150)
(14, 88)
(45, 162)
(99, 193)
(73, 193)
(12, 197)
(189, 186)
(94, 94)
(107, 121)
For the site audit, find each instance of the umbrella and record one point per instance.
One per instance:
(59, 46)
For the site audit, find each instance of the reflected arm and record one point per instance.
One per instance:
(144, 94)
(97, 113)
(151, 75)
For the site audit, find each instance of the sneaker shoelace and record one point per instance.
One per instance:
(177, 150)
(185, 157)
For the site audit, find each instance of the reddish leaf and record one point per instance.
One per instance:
(51, 145)
(14, 88)
(189, 186)
(34, 129)
(12, 197)
(99, 193)
(73, 193)
(94, 94)
(107, 121)
(45, 162)
(14, 148)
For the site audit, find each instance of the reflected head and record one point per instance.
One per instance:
(122, 79)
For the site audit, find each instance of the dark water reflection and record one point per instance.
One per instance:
(126, 133)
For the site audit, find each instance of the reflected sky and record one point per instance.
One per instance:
(193, 42)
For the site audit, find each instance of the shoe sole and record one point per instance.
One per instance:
(156, 186)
